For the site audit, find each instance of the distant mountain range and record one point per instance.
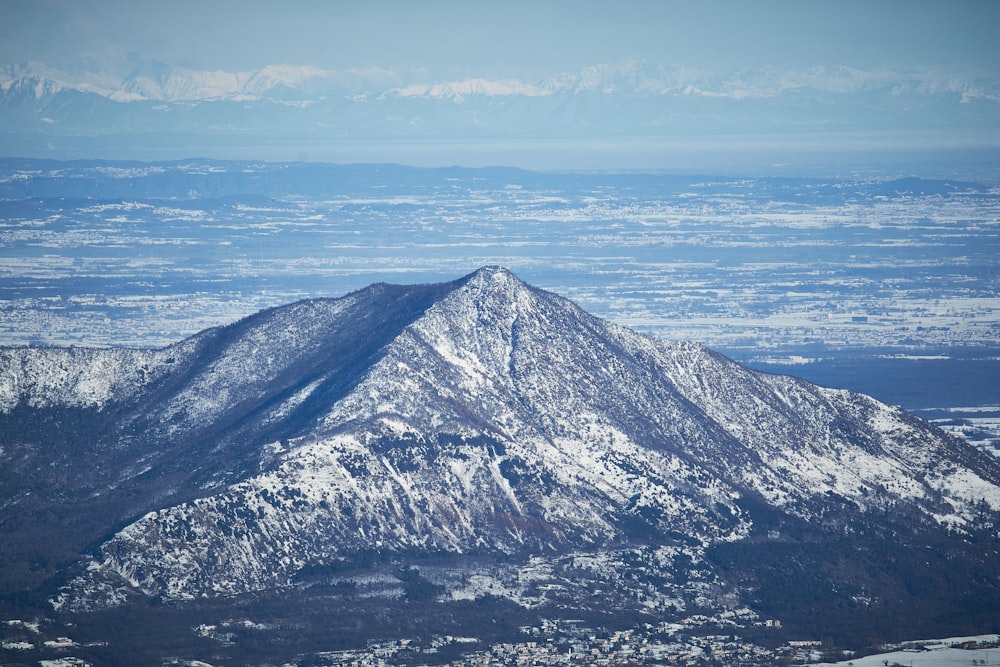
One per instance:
(132, 96)
(136, 79)
(482, 421)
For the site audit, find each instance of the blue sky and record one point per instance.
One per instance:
(515, 38)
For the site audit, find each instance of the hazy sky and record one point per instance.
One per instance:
(946, 53)
(508, 38)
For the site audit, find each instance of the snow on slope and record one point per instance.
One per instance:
(458, 90)
(76, 377)
(503, 418)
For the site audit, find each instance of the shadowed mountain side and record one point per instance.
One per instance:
(126, 431)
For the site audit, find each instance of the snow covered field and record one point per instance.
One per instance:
(931, 653)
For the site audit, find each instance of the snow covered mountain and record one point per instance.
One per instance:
(166, 104)
(130, 78)
(481, 417)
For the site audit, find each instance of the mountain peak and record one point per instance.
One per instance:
(490, 270)
(491, 294)
(494, 276)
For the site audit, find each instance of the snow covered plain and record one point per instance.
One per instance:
(733, 263)
(931, 653)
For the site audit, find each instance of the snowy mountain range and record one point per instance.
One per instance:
(132, 79)
(477, 419)
(128, 96)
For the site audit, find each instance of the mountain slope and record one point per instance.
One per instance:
(112, 434)
(490, 424)
(479, 416)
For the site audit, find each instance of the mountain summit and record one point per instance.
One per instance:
(480, 418)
